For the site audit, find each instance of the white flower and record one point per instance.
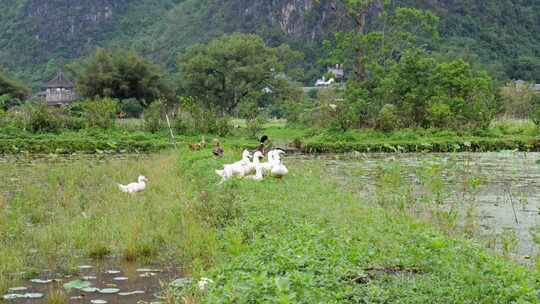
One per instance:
(204, 282)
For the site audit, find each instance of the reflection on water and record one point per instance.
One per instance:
(507, 198)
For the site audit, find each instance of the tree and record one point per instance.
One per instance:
(518, 99)
(12, 88)
(391, 31)
(120, 75)
(431, 94)
(358, 10)
(233, 68)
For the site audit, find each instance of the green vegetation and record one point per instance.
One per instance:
(315, 242)
(12, 92)
(120, 75)
(232, 70)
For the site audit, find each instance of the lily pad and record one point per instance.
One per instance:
(40, 281)
(181, 282)
(109, 290)
(131, 293)
(90, 289)
(98, 302)
(35, 295)
(144, 270)
(88, 278)
(77, 284)
(12, 296)
(21, 288)
(120, 279)
(113, 271)
(86, 267)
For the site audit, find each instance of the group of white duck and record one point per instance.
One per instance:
(250, 164)
(245, 168)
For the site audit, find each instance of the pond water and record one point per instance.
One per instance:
(506, 195)
(108, 282)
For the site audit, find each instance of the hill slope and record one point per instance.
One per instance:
(37, 37)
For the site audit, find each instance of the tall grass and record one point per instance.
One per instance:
(63, 213)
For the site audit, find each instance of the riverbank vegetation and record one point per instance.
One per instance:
(317, 241)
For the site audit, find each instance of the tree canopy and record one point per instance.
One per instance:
(231, 69)
(121, 75)
(12, 88)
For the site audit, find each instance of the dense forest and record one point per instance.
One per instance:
(38, 37)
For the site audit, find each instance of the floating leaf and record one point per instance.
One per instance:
(12, 296)
(181, 282)
(21, 288)
(144, 270)
(131, 293)
(40, 281)
(113, 271)
(98, 302)
(86, 267)
(89, 289)
(77, 284)
(120, 279)
(36, 295)
(109, 290)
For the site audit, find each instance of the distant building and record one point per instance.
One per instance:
(520, 84)
(60, 91)
(337, 74)
(337, 71)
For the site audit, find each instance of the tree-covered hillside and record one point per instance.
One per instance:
(37, 37)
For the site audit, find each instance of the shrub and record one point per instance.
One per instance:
(440, 115)
(222, 126)
(37, 117)
(388, 119)
(535, 116)
(100, 113)
(255, 126)
(131, 108)
(192, 119)
(184, 123)
(153, 120)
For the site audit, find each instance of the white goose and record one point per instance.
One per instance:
(134, 187)
(239, 168)
(258, 167)
(278, 169)
(267, 166)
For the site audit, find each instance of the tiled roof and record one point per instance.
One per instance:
(60, 81)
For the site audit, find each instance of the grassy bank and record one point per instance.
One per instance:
(88, 141)
(129, 136)
(302, 240)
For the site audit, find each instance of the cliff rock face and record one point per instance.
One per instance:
(70, 24)
(299, 19)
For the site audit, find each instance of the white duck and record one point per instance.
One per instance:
(267, 166)
(246, 158)
(239, 168)
(258, 167)
(278, 169)
(134, 187)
